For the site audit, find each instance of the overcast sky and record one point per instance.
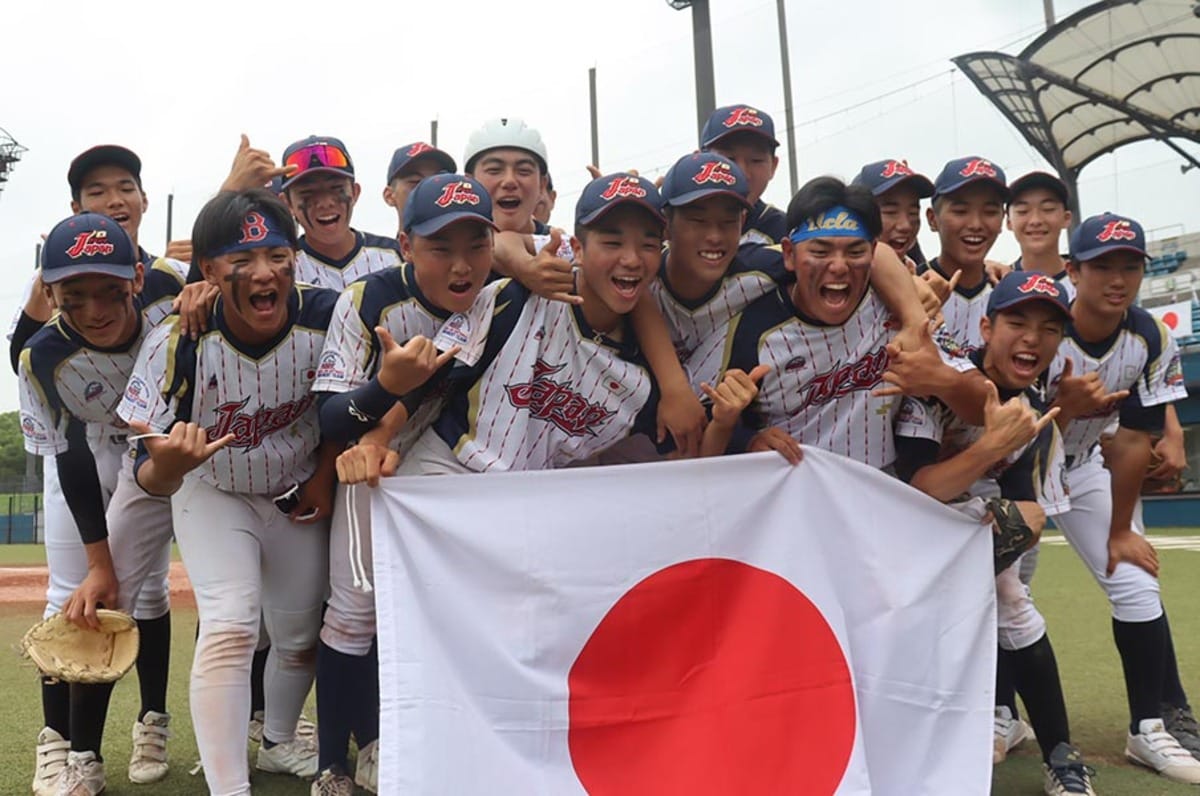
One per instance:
(871, 80)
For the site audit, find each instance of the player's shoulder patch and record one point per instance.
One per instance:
(380, 242)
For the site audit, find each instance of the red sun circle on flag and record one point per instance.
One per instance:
(711, 677)
(1170, 320)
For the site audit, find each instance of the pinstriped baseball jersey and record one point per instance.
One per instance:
(963, 311)
(62, 377)
(262, 395)
(1141, 357)
(821, 378)
(390, 298)
(371, 253)
(696, 326)
(1034, 472)
(547, 391)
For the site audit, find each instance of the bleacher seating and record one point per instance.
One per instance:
(1165, 263)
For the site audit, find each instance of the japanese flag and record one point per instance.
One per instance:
(721, 626)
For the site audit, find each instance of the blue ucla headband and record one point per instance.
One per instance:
(258, 231)
(836, 222)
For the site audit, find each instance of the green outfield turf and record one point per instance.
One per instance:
(1074, 607)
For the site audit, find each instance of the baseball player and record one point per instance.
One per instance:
(321, 193)
(251, 482)
(967, 214)
(1137, 372)
(410, 164)
(556, 383)
(71, 374)
(508, 158)
(1017, 454)
(447, 246)
(898, 190)
(706, 278)
(104, 179)
(1037, 214)
(826, 339)
(746, 136)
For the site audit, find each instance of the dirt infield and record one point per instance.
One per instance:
(22, 588)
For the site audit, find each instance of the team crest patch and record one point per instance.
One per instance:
(842, 380)
(978, 168)
(93, 390)
(137, 392)
(715, 171)
(212, 382)
(1116, 230)
(33, 429)
(457, 193)
(896, 168)
(743, 117)
(557, 403)
(908, 414)
(623, 187)
(332, 366)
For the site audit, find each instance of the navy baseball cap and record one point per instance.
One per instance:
(1107, 232)
(1038, 179)
(1021, 287)
(960, 173)
(884, 175)
(703, 174)
(605, 193)
(104, 155)
(89, 243)
(317, 154)
(442, 199)
(410, 152)
(737, 119)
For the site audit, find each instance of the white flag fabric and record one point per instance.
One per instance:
(1176, 317)
(716, 626)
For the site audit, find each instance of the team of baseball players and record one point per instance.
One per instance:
(679, 319)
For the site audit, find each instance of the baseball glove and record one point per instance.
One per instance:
(1011, 535)
(70, 653)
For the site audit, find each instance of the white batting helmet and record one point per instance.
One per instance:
(504, 132)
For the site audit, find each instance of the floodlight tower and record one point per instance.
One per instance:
(10, 153)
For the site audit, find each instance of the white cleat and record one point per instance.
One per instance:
(297, 757)
(366, 770)
(83, 775)
(50, 761)
(1007, 734)
(1155, 748)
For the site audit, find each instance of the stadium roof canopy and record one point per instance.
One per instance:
(1110, 74)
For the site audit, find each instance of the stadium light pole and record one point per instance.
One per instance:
(706, 98)
(1048, 8)
(788, 112)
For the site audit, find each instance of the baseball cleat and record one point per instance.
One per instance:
(148, 763)
(297, 757)
(1181, 723)
(1066, 774)
(51, 759)
(366, 770)
(1155, 748)
(254, 731)
(1007, 733)
(82, 776)
(332, 783)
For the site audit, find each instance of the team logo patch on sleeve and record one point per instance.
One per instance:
(34, 430)
(557, 403)
(332, 366)
(137, 392)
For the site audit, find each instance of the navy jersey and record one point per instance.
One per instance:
(765, 225)
(260, 394)
(371, 253)
(547, 391)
